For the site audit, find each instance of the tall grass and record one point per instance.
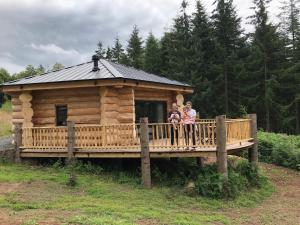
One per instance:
(5, 119)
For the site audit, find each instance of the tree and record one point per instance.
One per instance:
(176, 46)
(57, 66)
(117, 51)
(135, 49)
(266, 62)
(228, 34)
(40, 70)
(4, 76)
(108, 54)
(100, 52)
(152, 55)
(203, 58)
(290, 28)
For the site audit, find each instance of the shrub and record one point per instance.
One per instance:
(241, 176)
(280, 149)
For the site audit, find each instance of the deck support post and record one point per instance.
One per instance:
(253, 152)
(18, 141)
(145, 154)
(221, 146)
(200, 161)
(71, 141)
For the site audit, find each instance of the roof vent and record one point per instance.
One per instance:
(95, 59)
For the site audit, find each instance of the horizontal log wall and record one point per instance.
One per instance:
(117, 105)
(83, 105)
(17, 116)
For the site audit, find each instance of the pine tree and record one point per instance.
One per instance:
(228, 34)
(100, 50)
(203, 56)
(135, 49)
(290, 28)
(179, 48)
(152, 55)
(267, 58)
(117, 51)
(108, 54)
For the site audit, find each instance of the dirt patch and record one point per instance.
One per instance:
(147, 222)
(284, 205)
(9, 187)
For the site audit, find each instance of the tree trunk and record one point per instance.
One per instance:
(226, 90)
(267, 108)
(297, 117)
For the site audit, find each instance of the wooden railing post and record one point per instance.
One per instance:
(145, 155)
(221, 146)
(71, 141)
(18, 141)
(253, 152)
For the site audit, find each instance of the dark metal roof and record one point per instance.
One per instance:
(108, 70)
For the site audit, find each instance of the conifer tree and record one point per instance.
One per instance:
(152, 55)
(228, 34)
(179, 48)
(100, 52)
(203, 57)
(108, 54)
(117, 51)
(267, 59)
(135, 49)
(290, 28)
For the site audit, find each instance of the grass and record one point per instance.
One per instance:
(5, 119)
(101, 199)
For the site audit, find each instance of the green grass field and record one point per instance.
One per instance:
(39, 194)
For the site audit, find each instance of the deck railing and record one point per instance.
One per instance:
(127, 136)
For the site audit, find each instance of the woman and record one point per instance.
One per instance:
(189, 118)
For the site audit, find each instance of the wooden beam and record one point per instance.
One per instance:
(71, 141)
(253, 152)
(145, 156)
(18, 141)
(221, 146)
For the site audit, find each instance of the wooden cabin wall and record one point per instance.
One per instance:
(17, 116)
(83, 105)
(117, 105)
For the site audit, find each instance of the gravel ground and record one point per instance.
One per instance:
(5, 143)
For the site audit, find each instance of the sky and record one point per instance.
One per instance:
(67, 31)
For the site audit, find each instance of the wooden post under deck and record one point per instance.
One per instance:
(221, 146)
(71, 141)
(253, 152)
(145, 155)
(18, 141)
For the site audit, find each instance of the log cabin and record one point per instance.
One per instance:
(93, 110)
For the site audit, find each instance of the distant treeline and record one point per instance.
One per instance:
(233, 72)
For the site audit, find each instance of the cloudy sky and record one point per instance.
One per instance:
(67, 31)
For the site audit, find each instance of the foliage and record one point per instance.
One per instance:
(241, 176)
(280, 149)
(135, 49)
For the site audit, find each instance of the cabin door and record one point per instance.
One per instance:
(156, 111)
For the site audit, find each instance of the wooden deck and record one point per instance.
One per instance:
(133, 153)
(123, 140)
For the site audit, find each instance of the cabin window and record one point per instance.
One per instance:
(156, 111)
(61, 115)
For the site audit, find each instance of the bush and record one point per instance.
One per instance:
(241, 176)
(280, 149)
